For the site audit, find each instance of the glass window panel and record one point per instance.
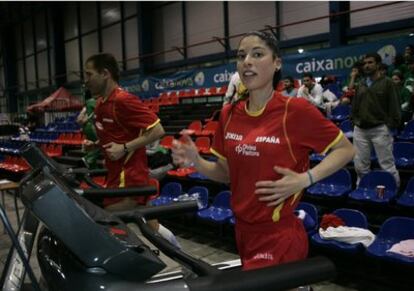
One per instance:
(30, 73)
(40, 31)
(111, 41)
(52, 65)
(28, 37)
(168, 32)
(20, 75)
(18, 41)
(130, 8)
(70, 20)
(88, 16)
(72, 60)
(43, 71)
(89, 45)
(110, 12)
(132, 47)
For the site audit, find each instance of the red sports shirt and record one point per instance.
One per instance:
(282, 134)
(120, 119)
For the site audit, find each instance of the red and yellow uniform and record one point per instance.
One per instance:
(120, 119)
(282, 134)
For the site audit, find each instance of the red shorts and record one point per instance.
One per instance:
(262, 245)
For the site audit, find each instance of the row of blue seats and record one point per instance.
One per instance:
(403, 154)
(394, 229)
(339, 184)
(59, 127)
(11, 147)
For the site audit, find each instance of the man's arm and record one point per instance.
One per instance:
(394, 106)
(116, 151)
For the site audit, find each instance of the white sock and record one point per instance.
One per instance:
(168, 235)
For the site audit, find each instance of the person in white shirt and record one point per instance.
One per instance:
(289, 89)
(235, 89)
(311, 91)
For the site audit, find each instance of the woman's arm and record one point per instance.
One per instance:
(275, 192)
(186, 154)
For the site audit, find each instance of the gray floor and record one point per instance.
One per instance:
(200, 248)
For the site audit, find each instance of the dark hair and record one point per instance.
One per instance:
(376, 57)
(309, 75)
(289, 78)
(105, 61)
(398, 60)
(383, 67)
(272, 43)
(398, 74)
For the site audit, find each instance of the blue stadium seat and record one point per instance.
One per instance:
(232, 220)
(347, 128)
(219, 211)
(340, 113)
(404, 154)
(202, 194)
(407, 133)
(168, 193)
(311, 219)
(352, 218)
(366, 190)
(392, 231)
(314, 157)
(407, 198)
(336, 185)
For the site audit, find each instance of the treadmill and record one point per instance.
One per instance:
(80, 246)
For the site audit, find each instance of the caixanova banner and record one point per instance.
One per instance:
(330, 61)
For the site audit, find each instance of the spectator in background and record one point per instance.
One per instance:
(235, 89)
(86, 119)
(409, 77)
(398, 65)
(408, 52)
(289, 87)
(375, 111)
(311, 91)
(124, 126)
(352, 81)
(329, 98)
(383, 69)
(405, 97)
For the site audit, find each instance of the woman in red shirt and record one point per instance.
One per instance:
(263, 144)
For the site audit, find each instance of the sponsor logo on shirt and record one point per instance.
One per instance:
(233, 136)
(108, 120)
(268, 139)
(247, 150)
(263, 256)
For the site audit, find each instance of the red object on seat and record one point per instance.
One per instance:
(197, 126)
(331, 220)
(167, 141)
(210, 128)
(182, 172)
(203, 144)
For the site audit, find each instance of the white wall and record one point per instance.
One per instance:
(383, 14)
(293, 11)
(204, 21)
(248, 16)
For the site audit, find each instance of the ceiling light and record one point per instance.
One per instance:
(300, 50)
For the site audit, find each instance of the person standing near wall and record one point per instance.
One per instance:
(124, 126)
(375, 111)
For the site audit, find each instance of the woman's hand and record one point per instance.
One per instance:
(184, 153)
(275, 192)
